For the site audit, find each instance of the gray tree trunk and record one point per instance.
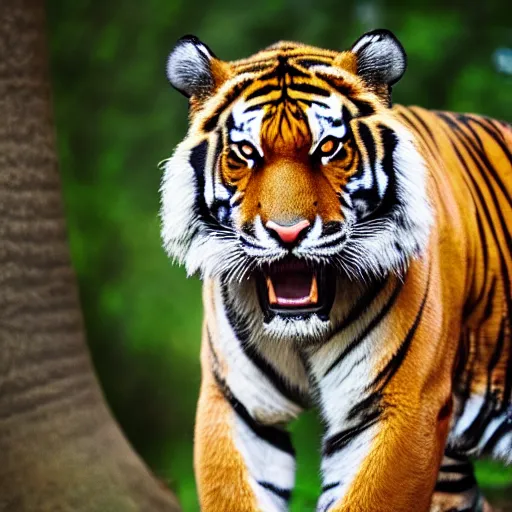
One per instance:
(60, 449)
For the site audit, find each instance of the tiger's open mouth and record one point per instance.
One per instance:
(294, 288)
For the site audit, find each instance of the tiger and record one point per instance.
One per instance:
(356, 260)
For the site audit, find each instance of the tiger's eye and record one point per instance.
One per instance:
(327, 146)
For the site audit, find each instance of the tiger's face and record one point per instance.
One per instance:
(294, 174)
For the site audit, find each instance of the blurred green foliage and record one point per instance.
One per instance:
(117, 118)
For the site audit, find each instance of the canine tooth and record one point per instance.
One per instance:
(271, 292)
(313, 292)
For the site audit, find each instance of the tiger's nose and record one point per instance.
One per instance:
(288, 234)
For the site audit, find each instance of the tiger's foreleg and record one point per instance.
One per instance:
(241, 463)
(387, 404)
(385, 462)
(456, 488)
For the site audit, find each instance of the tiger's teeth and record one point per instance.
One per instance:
(313, 292)
(312, 298)
(271, 292)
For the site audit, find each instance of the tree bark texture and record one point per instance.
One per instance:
(60, 448)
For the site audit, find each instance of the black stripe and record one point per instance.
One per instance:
(366, 406)
(250, 241)
(355, 364)
(340, 440)
(507, 390)
(343, 201)
(370, 195)
(328, 487)
(470, 307)
(210, 123)
(331, 228)
(309, 89)
(262, 91)
(369, 144)
(365, 108)
(490, 300)
(362, 305)
(221, 208)
(197, 159)
(332, 243)
(278, 438)
(463, 390)
(198, 156)
(328, 505)
(279, 101)
(496, 135)
(198, 162)
(464, 468)
(345, 89)
(213, 352)
(387, 373)
(342, 88)
(242, 332)
(285, 494)
(356, 130)
(390, 200)
(310, 62)
(455, 455)
(373, 323)
(485, 158)
(256, 67)
(312, 102)
(424, 125)
(274, 436)
(237, 201)
(497, 351)
(456, 486)
(504, 429)
(281, 69)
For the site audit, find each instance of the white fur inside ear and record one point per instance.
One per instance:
(380, 57)
(188, 68)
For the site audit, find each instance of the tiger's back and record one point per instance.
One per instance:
(474, 153)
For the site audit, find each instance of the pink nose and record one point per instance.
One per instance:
(288, 234)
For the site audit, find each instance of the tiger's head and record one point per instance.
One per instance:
(295, 174)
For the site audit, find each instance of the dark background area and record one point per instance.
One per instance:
(117, 118)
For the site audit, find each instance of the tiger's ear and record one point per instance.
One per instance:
(381, 59)
(194, 70)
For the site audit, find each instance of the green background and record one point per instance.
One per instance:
(117, 118)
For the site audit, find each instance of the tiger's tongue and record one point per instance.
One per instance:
(292, 288)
